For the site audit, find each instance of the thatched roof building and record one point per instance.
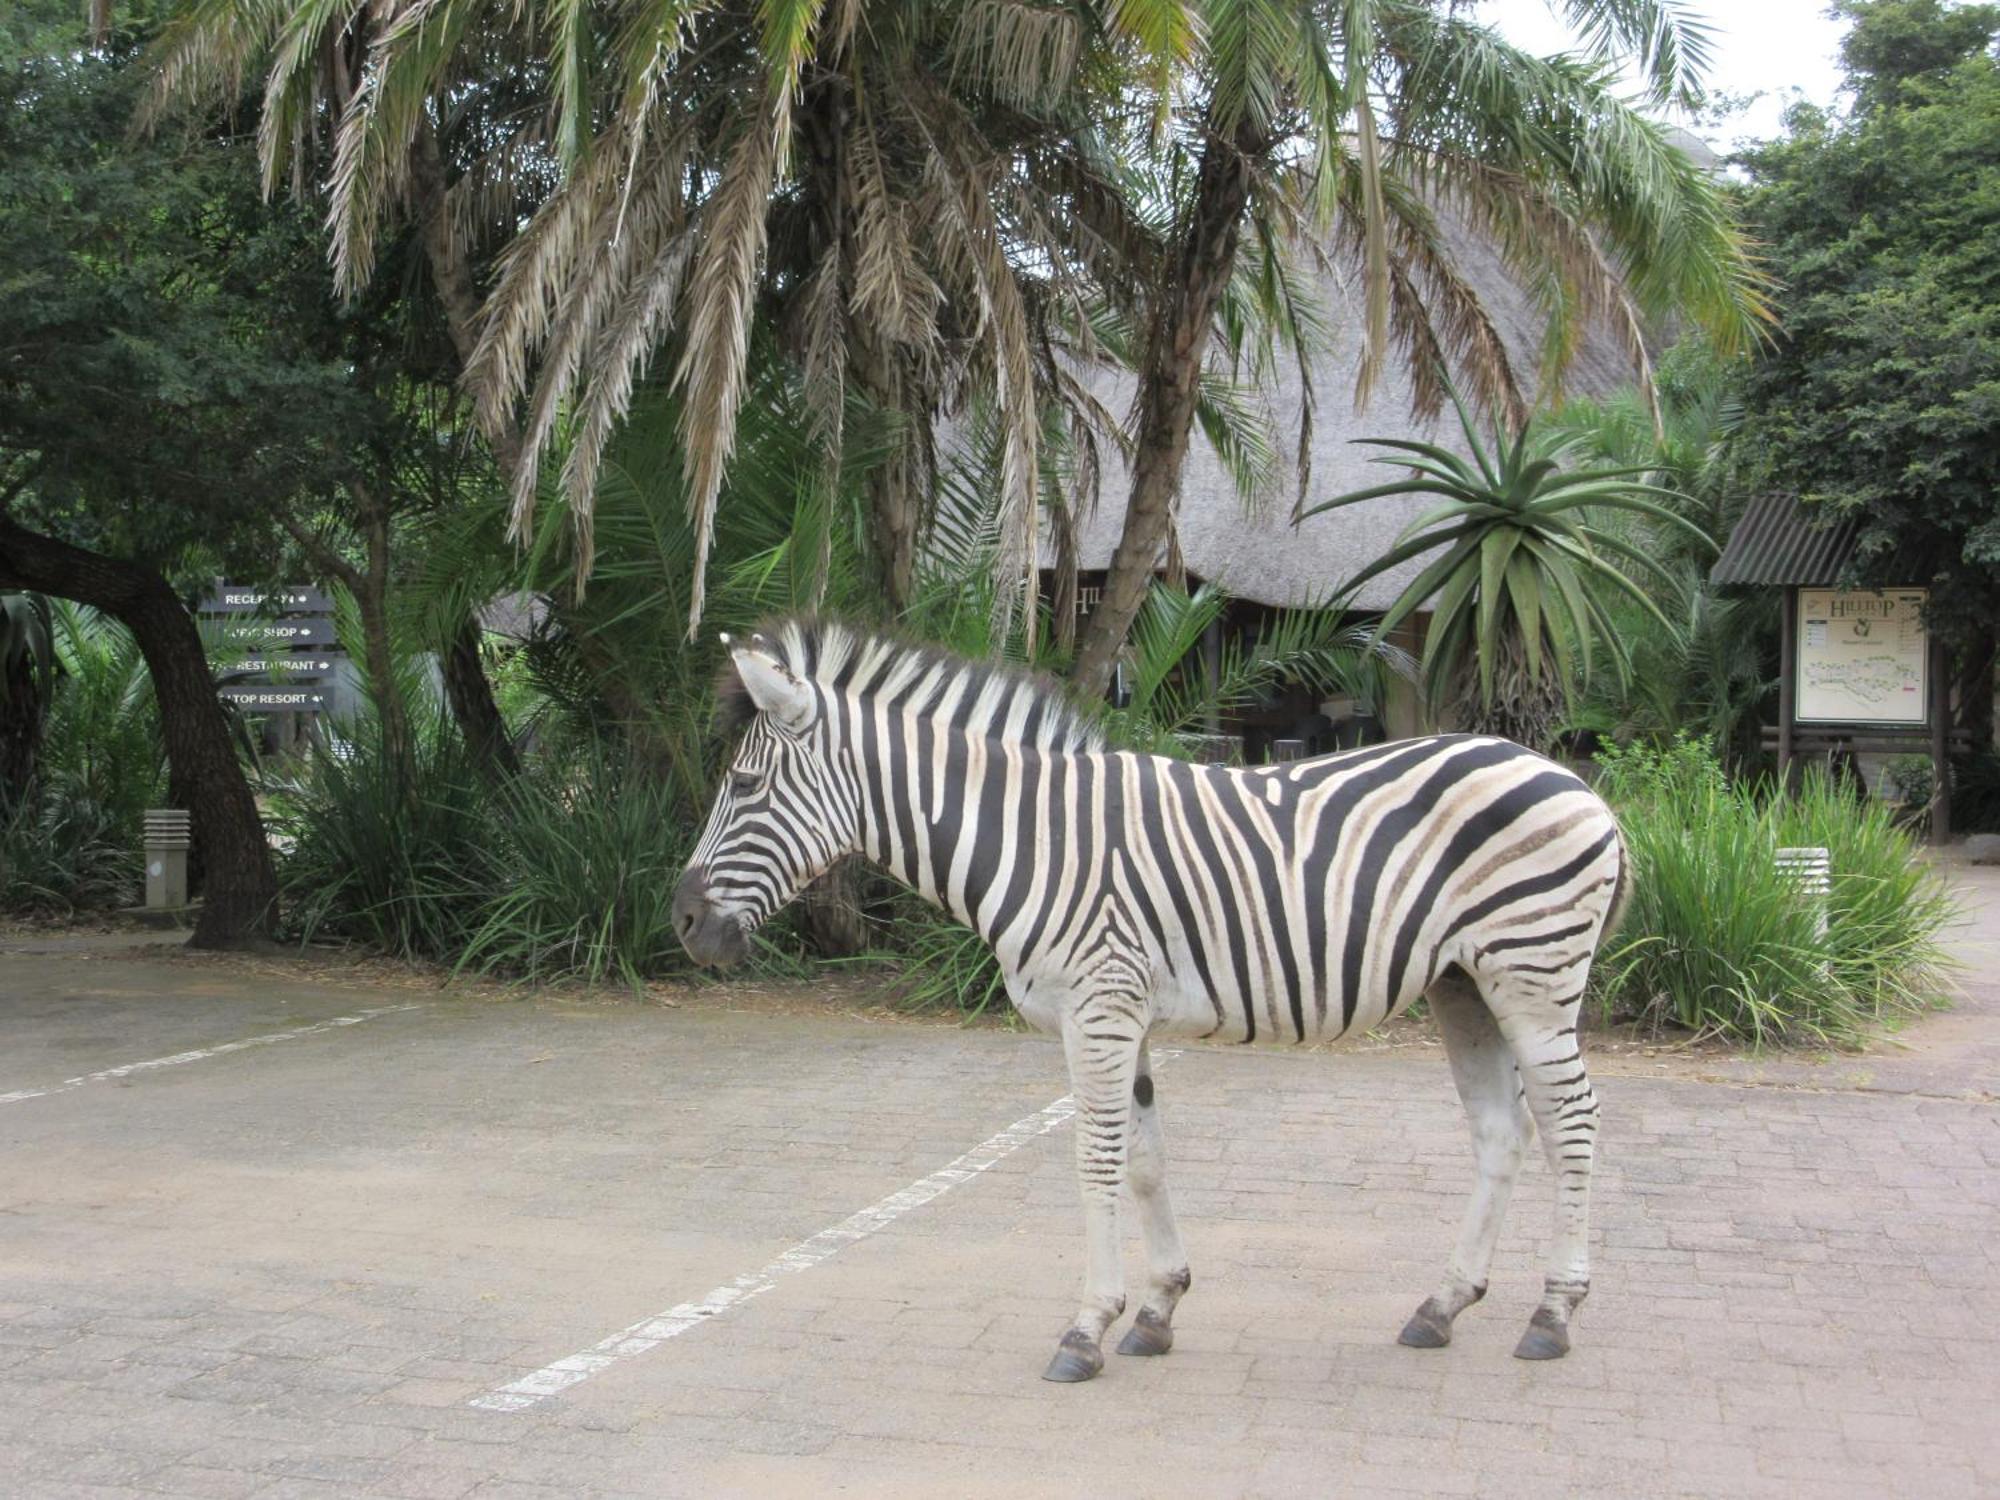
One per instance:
(1256, 552)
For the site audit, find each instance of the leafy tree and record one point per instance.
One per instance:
(906, 191)
(176, 380)
(1520, 597)
(1708, 670)
(1882, 400)
(1358, 122)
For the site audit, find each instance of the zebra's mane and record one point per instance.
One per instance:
(1012, 703)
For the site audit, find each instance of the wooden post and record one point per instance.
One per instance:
(1940, 710)
(1788, 666)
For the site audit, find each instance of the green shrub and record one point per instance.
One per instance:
(591, 860)
(405, 868)
(1715, 942)
(72, 843)
(62, 853)
(942, 963)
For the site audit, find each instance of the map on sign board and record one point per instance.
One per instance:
(1863, 655)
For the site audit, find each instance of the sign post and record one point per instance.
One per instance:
(293, 650)
(1860, 672)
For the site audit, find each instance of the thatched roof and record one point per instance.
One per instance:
(1255, 552)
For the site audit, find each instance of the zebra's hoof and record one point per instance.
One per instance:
(1545, 1338)
(1425, 1330)
(1149, 1334)
(1077, 1358)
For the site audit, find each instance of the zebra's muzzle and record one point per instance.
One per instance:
(712, 937)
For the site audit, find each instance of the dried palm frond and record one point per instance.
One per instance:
(718, 338)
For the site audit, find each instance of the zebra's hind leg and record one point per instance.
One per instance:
(1541, 1029)
(1489, 1085)
(1152, 1330)
(1101, 1040)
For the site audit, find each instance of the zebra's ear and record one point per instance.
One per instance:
(773, 688)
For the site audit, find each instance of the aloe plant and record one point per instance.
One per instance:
(1519, 594)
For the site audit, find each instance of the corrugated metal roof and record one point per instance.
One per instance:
(1778, 541)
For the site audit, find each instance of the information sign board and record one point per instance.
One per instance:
(1863, 657)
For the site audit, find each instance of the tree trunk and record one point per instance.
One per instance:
(1976, 661)
(240, 900)
(472, 704)
(24, 711)
(1169, 386)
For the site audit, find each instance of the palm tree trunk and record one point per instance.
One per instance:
(1169, 386)
(240, 895)
(473, 706)
(467, 689)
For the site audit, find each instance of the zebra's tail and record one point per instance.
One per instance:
(1621, 891)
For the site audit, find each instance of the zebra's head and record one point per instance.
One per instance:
(782, 816)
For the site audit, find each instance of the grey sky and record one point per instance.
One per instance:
(1761, 46)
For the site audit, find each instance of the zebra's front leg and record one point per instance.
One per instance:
(1101, 1040)
(1152, 1331)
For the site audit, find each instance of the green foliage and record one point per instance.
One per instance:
(404, 867)
(71, 843)
(1703, 670)
(173, 367)
(1883, 399)
(103, 734)
(1175, 689)
(942, 963)
(61, 853)
(1521, 594)
(1702, 662)
(586, 857)
(1714, 942)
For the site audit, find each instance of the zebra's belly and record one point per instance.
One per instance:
(1278, 1014)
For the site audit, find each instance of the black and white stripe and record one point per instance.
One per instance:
(1127, 895)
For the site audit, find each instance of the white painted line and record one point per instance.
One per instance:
(641, 1338)
(202, 1053)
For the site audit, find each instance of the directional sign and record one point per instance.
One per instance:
(254, 599)
(295, 668)
(317, 631)
(266, 699)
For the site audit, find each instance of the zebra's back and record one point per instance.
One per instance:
(1302, 901)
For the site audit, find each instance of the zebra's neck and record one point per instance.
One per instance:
(934, 803)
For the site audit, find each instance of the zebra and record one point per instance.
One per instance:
(1128, 896)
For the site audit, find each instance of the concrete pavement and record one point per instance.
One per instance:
(294, 1268)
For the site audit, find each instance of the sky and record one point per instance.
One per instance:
(1766, 47)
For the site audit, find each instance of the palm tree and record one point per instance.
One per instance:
(910, 191)
(1354, 125)
(1520, 599)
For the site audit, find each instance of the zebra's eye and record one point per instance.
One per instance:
(745, 783)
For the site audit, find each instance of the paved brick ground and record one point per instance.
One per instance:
(286, 1270)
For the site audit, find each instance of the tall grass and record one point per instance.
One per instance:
(591, 857)
(565, 874)
(61, 853)
(1713, 941)
(403, 868)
